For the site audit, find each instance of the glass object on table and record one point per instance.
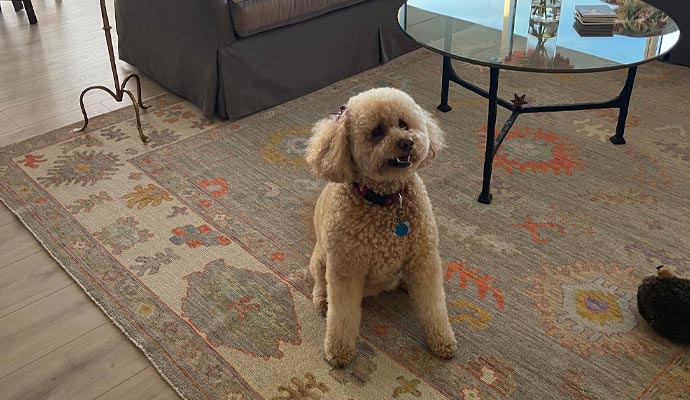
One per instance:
(542, 33)
(546, 11)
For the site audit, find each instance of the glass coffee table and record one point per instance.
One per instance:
(538, 36)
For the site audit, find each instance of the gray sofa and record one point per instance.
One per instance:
(236, 57)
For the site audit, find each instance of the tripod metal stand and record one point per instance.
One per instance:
(120, 90)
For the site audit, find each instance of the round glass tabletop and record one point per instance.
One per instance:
(541, 35)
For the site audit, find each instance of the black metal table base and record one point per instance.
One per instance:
(518, 106)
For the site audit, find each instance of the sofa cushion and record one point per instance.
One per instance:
(254, 16)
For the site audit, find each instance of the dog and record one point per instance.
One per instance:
(375, 228)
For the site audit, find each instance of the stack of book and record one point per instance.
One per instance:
(595, 20)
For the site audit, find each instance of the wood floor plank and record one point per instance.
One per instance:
(52, 28)
(71, 85)
(6, 124)
(6, 215)
(44, 326)
(80, 370)
(12, 59)
(52, 123)
(53, 67)
(52, 44)
(53, 105)
(16, 243)
(55, 40)
(145, 385)
(28, 280)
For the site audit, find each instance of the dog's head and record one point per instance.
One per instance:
(381, 135)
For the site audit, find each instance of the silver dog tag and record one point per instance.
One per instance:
(401, 227)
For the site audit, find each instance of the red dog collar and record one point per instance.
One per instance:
(384, 200)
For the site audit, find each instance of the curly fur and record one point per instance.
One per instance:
(664, 302)
(356, 253)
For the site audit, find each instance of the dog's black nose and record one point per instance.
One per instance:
(406, 145)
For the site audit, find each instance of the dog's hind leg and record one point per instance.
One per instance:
(317, 267)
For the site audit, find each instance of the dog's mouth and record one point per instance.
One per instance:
(401, 162)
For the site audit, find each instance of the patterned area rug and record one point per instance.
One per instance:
(196, 244)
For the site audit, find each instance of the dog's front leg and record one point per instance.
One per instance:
(424, 282)
(317, 267)
(343, 317)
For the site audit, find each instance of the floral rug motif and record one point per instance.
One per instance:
(196, 244)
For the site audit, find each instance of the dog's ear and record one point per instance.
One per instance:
(436, 137)
(328, 151)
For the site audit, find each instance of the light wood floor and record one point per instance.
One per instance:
(54, 342)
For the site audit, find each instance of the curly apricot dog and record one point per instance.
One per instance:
(374, 225)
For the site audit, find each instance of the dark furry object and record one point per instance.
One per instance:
(664, 301)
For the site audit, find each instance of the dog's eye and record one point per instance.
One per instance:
(402, 124)
(377, 132)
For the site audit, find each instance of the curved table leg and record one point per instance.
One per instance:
(485, 196)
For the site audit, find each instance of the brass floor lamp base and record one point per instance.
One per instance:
(120, 90)
(119, 97)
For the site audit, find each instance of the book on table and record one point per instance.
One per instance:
(595, 20)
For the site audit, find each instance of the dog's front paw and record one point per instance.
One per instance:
(339, 354)
(443, 346)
